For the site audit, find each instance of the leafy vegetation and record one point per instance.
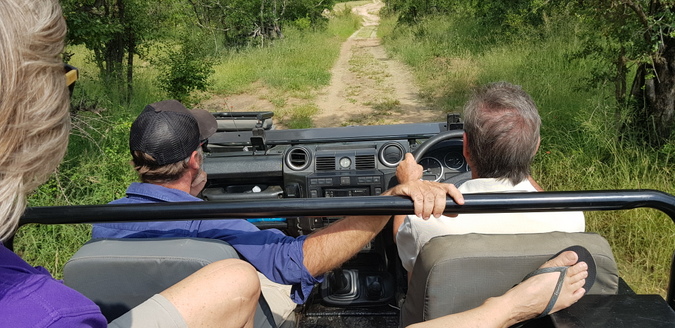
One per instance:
(185, 67)
(119, 31)
(629, 35)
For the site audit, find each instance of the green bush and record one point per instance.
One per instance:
(185, 67)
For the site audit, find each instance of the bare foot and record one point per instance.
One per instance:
(533, 295)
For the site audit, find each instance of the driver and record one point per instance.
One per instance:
(166, 152)
(501, 137)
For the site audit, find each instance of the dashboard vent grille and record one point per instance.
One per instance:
(298, 159)
(365, 162)
(325, 163)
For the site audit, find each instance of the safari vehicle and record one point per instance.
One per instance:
(299, 181)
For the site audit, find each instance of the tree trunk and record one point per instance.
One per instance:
(664, 90)
(654, 90)
(131, 50)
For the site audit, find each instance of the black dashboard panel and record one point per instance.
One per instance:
(322, 162)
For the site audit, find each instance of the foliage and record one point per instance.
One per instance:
(115, 31)
(627, 35)
(495, 13)
(302, 61)
(241, 22)
(120, 31)
(637, 35)
(184, 67)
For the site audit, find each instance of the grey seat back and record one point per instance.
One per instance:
(119, 274)
(455, 273)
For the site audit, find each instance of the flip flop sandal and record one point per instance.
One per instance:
(584, 256)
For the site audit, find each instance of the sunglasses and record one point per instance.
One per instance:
(71, 77)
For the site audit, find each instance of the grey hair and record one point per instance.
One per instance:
(34, 102)
(502, 124)
(150, 172)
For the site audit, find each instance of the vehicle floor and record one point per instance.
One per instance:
(318, 315)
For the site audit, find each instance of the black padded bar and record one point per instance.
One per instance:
(365, 205)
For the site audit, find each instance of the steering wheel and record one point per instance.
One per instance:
(420, 151)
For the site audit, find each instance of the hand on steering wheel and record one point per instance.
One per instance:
(408, 169)
(420, 151)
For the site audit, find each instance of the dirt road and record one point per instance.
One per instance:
(367, 86)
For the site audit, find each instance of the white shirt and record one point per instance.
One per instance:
(414, 232)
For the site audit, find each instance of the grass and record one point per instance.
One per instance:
(580, 148)
(292, 69)
(301, 61)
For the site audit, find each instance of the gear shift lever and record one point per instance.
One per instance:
(340, 282)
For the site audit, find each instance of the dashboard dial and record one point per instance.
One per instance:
(433, 169)
(345, 162)
(454, 160)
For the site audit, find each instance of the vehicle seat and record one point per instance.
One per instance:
(119, 274)
(455, 273)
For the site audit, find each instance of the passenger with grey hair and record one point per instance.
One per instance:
(501, 138)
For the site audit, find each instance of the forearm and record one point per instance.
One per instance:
(328, 248)
(398, 220)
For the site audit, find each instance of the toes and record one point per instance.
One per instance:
(567, 258)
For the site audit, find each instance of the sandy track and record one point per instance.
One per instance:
(367, 85)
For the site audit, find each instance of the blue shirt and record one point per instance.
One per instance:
(277, 256)
(30, 297)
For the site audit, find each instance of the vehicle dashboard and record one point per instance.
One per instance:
(322, 162)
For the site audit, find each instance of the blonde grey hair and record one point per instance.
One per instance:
(34, 102)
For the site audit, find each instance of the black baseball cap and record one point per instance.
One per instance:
(169, 132)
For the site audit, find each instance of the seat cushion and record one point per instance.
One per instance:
(119, 274)
(455, 273)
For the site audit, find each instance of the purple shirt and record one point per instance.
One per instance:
(30, 297)
(277, 256)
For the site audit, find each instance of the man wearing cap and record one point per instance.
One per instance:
(165, 146)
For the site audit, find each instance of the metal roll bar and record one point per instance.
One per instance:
(600, 200)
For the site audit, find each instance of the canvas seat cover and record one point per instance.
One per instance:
(119, 274)
(455, 273)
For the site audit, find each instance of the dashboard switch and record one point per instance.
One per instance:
(293, 190)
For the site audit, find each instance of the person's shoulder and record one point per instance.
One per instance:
(38, 300)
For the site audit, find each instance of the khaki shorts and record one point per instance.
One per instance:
(155, 312)
(278, 298)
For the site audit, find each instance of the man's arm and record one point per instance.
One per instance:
(328, 248)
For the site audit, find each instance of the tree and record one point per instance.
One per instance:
(242, 21)
(184, 67)
(114, 30)
(639, 33)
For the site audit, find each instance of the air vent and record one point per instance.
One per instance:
(325, 163)
(391, 154)
(365, 162)
(298, 159)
